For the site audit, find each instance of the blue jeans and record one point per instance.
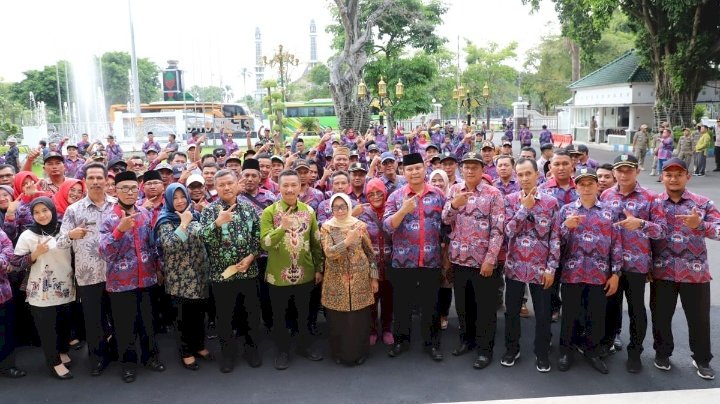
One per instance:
(660, 165)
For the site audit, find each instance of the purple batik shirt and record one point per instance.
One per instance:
(545, 136)
(643, 204)
(592, 251)
(525, 137)
(476, 235)
(533, 238)
(681, 256)
(563, 196)
(506, 189)
(312, 197)
(148, 144)
(6, 251)
(114, 152)
(416, 241)
(381, 239)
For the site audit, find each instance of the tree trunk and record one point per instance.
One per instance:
(347, 66)
(574, 50)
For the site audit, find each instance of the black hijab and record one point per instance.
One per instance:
(50, 229)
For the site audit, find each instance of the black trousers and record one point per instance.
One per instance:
(96, 311)
(236, 297)
(189, 325)
(514, 296)
(7, 335)
(282, 298)
(263, 293)
(632, 286)
(444, 301)
(416, 286)
(131, 308)
(695, 298)
(53, 325)
(485, 291)
(576, 298)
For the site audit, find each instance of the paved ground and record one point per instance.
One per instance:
(411, 378)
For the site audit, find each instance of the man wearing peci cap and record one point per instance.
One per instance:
(591, 261)
(413, 218)
(475, 212)
(128, 248)
(680, 267)
(642, 220)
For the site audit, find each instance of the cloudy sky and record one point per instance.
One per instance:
(215, 39)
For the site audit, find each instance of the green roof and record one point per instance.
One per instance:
(624, 69)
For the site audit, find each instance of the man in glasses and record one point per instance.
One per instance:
(126, 245)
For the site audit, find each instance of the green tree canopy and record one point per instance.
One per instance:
(115, 66)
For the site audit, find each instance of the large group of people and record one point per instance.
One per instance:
(367, 229)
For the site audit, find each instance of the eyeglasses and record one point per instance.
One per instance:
(376, 194)
(128, 190)
(154, 183)
(340, 208)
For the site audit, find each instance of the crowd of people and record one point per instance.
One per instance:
(367, 229)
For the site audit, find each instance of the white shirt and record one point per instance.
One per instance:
(50, 282)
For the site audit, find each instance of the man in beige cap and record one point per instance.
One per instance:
(640, 144)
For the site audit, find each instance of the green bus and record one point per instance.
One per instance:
(321, 109)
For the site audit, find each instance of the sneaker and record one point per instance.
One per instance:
(662, 363)
(524, 312)
(211, 333)
(509, 358)
(388, 338)
(542, 365)
(373, 339)
(618, 343)
(443, 323)
(704, 370)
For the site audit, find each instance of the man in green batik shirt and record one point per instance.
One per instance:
(289, 233)
(231, 232)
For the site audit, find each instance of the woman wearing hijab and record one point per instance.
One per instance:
(7, 204)
(50, 284)
(7, 311)
(186, 271)
(439, 179)
(71, 191)
(25, 191)
(372, 216)
(349, 282)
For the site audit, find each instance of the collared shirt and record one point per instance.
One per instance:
(392, 186)
(230, 243)
(643, 204)
(131, 256)
(230, 146)
(113, 152)
(590, 163)
(148, 144)
(47, 185)
(312, 197)
(82, 147)
(294, 256)
(592, 251)
(416, 240)
(381, 239)
(12, 156)
(665, 148)
(6, 253)
(381, 142)
(90, 267)
(437, 138)
(533, 237)
(362, 198)
(258, 202)
(73, 167)
(525, 137)
(545, 136)
(506, 189)
(563, 196)
(270, 185)
(173, 146)
(681, 256)
(477, 227)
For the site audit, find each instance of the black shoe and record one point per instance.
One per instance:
(361, 360)
(314, 331)
(310, 354)
(211, 333)
(78, 346)
(209, 357)
(129, 375)
(704, 370)
(155, 365)
(564, 362)
(482, 361)
(98, 368)
(190, 366)
(434, 353)
(397, 349)
(542, 365)
(252, 356)
(281, 361)
(662, 363)
(12, 373)
(227, 364)
(633, 365)
(598, 365)
(509, 358)
(66, 376)
(462, 349)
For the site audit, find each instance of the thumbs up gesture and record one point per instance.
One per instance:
(631, 222)
(693, 220)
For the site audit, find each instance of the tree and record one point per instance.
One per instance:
(208, 93)
(488, 64)
(43, 84)
(348, 63)
(115, 67)
(11, 110)
(678, 41)
(314, 83)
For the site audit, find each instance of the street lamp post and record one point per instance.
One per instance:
(283, 60)
(463, 95)
(486, 97)
(383, 98)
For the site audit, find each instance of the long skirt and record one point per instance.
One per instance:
(349, 334)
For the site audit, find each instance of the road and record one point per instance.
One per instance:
(411, 378)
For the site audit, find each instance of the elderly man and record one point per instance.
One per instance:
(476, 214)
(289, 233)
(128, 248)
(412, 216)
(12, 155)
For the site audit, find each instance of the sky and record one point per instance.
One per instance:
(215, 39)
